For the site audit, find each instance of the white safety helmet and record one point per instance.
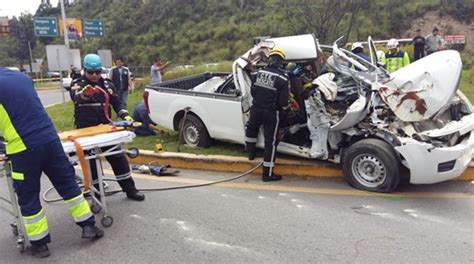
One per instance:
(356, 45)
(392, 44)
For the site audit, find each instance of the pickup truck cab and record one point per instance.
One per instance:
(377, 125)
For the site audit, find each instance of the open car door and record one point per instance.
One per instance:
(372, 50)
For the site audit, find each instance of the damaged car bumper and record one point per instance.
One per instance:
(430, 164)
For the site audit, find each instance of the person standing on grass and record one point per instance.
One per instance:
(156, 70)
(120, 77)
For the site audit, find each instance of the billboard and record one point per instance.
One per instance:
(73, 27)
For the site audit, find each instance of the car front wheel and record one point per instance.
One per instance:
(194, 132)
(372, 165)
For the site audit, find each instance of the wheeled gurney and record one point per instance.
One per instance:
(86, 144)
(80, 145)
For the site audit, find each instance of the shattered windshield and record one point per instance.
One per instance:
(350, 64)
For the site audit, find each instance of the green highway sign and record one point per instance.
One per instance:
(93, 28)
(45, 26)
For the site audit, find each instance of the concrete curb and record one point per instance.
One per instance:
(302, 168)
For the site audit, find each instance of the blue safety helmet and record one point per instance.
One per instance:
(92, 62)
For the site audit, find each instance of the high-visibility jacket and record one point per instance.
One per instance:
(23, 121)
(396, 61)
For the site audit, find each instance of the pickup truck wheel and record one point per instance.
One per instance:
(195, 133)
(372, 165)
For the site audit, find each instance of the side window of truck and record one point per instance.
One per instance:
(228, 87)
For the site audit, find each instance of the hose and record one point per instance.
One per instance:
(44, 196)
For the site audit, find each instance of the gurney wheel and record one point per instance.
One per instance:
(132, 153)
(20, 244)
(95, 208)
(107, 221)
(14, 229)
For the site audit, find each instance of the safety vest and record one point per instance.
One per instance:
(394, 62)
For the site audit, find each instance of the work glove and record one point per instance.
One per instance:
(296, 71)
(132, 122)
(89, 90)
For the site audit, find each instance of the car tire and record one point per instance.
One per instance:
(371, 165)
(194, 132)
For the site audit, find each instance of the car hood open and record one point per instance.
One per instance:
(420, 90)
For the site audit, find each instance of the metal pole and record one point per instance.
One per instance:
(60, 77)
(31, 57)
(63, 15)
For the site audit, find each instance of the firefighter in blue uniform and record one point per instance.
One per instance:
(33, 147)
(270, 95)
(89, 111)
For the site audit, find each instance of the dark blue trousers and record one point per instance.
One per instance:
(50, 159)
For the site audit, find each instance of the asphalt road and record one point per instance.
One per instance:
(296, 220)
(54, 96)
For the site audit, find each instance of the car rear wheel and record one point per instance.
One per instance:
(372, 165)
(194, 132)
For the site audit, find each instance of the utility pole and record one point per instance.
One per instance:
(66, 41)
(63, 15)
(31, 57)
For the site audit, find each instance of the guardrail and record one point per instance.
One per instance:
(47, 79)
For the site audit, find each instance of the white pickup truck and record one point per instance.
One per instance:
(381, 127)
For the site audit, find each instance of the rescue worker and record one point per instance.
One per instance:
(89, 111)
(395, 58)
(148, 127)
(270, 95)
(358, 49)
(33, 147)
(120, 76)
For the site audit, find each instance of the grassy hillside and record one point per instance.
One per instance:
(204, 31)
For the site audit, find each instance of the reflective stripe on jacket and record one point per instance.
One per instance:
(23, 121)
(394, 62)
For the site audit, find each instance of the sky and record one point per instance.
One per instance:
(12, 8)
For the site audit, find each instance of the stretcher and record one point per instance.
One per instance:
(86, 144)
(80, 145)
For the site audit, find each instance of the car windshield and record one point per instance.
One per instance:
(350, 64)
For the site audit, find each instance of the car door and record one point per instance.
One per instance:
(297, 48)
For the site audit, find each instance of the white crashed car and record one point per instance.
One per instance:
(414, 123)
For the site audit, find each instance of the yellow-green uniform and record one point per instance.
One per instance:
(395, 61)
(33, 147)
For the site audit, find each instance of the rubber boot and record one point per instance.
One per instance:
(251, 151)
(135, 195)
(40, 250)
(128, 186)
(267, 176)
(92, 231)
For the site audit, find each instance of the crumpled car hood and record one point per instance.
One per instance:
(418, 91)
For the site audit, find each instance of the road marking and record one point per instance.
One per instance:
(326, 191)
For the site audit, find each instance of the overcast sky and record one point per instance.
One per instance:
(12, 8)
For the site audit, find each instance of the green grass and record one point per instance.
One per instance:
(467, 83)
(40, 85)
